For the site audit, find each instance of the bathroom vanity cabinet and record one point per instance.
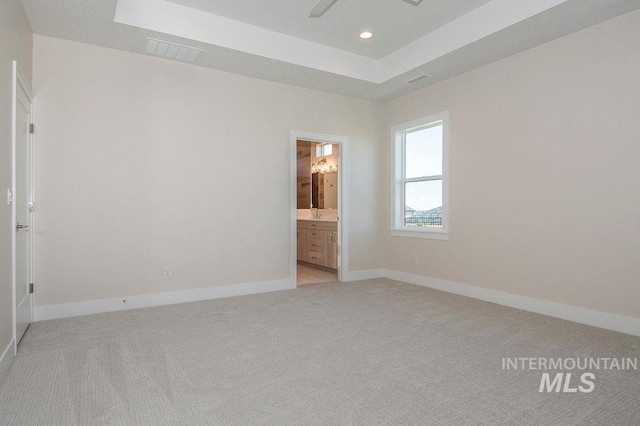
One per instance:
(318, 243)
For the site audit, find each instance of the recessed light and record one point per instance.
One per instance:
(365, 34)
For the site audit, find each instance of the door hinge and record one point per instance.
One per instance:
(30, 288)
(32, 128)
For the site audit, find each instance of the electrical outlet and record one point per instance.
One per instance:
(416, 259)
(167, 272)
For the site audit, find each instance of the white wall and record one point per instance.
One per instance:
(545, 175)
(16, 43)
(143, 163)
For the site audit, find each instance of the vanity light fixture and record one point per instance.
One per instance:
(366, 34)
(322, 167)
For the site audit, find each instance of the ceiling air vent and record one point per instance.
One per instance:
(418, 78)
(169, 50)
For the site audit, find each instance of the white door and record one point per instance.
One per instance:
(23, 206)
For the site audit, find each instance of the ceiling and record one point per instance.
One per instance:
(275, 40)
(395, 23)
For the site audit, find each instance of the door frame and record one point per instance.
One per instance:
(20, 82)
(343, 199)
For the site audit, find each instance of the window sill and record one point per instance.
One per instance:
(414, 233)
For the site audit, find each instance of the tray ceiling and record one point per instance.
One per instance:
(276, 40)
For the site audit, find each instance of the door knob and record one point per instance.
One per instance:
(18, 226)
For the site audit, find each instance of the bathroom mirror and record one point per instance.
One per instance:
(324, 190)
(317, 175)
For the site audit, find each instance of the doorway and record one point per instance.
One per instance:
(21, 200)
(319, 208)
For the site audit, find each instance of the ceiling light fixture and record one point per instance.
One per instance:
(365, 34)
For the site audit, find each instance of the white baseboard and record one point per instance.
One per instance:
(66, 310)
(605, 320)
(365, 275)
(6, 358)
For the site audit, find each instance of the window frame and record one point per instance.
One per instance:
(398, 158)
(320, 150)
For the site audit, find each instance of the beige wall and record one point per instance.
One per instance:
(545, 175)
(16, 43)
(144, 163)
(141, 163)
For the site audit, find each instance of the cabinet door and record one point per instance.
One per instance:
(331, 250)
(303, 250)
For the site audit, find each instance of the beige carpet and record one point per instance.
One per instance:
(370, 352)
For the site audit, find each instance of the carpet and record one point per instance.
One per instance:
(368, 352)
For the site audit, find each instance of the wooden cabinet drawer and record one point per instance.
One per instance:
(315, 244)
(315, 257)
(314, 233)
(318, 225)
(331, 226)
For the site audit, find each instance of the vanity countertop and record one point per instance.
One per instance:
(322, 219)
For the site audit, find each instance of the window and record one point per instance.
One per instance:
(420, 186)
(322, 150)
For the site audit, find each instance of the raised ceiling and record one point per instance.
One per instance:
(394, 23)
(275, 39)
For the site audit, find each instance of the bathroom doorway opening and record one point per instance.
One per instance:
(319, 251)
